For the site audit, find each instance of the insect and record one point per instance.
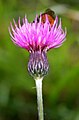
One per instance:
(50, 14)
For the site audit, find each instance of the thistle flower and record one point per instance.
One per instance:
(37, 37)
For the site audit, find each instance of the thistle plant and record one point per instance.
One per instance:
(37, 37)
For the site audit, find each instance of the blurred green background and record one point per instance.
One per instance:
(60, 86)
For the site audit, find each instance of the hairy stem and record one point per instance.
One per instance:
(39, 98)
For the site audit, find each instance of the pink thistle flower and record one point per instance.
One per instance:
(38, 37)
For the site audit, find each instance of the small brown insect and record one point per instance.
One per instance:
(50, 14)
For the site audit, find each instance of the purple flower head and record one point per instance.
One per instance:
(38, 37)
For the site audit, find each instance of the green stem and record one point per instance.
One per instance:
(39, 98)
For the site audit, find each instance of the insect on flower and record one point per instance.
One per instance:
(50, 15)
(44, 33)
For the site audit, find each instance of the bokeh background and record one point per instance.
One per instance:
(60, 86)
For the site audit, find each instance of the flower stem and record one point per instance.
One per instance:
(39, 98)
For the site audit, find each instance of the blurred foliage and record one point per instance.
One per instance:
(69, 2)
(60, 86)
